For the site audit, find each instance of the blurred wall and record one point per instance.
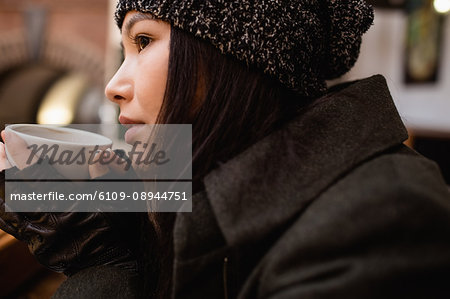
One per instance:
(45, 41)
(424, 107)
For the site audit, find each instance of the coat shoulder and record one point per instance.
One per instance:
(400, 173)
(383, 225)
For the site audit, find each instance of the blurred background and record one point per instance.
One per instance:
(55, 59)
(409, 44)
(57, 55)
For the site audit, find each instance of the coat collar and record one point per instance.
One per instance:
(267, 185)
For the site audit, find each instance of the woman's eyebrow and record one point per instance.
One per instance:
(137, 18)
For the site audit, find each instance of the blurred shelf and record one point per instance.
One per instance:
(17, 265)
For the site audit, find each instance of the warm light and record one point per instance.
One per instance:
(55, 116)
(59, 104)
(442, 6)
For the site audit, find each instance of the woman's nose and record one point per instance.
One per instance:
(120, 87)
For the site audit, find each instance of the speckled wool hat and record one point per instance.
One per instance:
(301, 43)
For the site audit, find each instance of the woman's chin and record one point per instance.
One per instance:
(135, 134)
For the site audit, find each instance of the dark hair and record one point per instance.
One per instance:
(237, 106)
(230, 107)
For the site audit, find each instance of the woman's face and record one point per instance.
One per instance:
(139, 85)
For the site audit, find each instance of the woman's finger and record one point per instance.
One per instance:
(18, 149)
(118, 164)
(4, 163)
(99, 167)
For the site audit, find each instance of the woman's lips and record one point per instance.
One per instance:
(132, 128)
(128, 121)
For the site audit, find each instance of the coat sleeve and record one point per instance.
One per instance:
(383, 231)
(101, 282)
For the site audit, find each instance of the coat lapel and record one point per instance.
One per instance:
(266, 186)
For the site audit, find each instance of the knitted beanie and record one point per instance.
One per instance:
(301, 43)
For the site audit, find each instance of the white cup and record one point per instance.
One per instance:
(61, 145)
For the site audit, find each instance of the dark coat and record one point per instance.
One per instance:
(333, 205)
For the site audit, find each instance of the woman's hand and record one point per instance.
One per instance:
(70, 241)
(4, 163)
(111, 163)
(18, 148)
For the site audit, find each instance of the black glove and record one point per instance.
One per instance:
(71, 241)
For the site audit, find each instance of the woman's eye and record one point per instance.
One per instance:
(142, 42)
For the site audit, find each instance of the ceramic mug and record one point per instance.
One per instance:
(68, 150)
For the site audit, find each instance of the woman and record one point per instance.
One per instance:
(300, 192)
